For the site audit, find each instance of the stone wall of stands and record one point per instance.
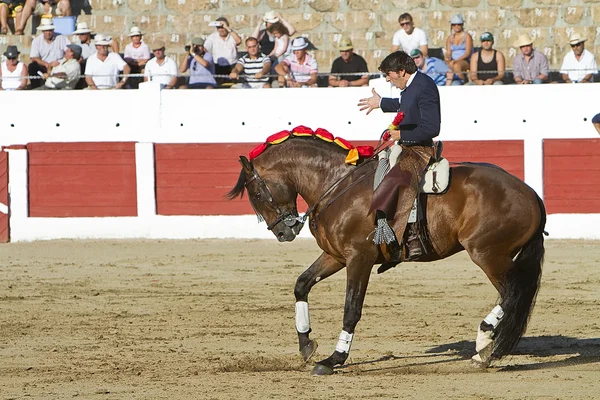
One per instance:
(151, 164)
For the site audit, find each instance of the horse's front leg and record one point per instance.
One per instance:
(323, 267)
(358, 273)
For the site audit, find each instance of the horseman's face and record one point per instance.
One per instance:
(274, 200)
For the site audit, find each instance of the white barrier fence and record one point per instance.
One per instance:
(530, 113)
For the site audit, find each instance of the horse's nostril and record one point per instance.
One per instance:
(280, 237)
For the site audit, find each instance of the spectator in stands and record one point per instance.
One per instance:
(254, 66)
(408, 38)
(83, 37)
(161, 69)
(579, 65)
(459, 47)
(265, 38)
(136, 55)
(102, 68)
(66, 74)
(201, 66)
(20, 10)
(487, 64)
(222, 45)
(298, 69)
(347, 63)
(282, 41)
(46, 50)
(530, 66)
(13, 73)
(52, 8)
(596, 122)
(435, 68)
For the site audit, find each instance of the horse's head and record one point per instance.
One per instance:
(272, 197)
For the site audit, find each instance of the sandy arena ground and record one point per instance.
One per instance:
(214, 319)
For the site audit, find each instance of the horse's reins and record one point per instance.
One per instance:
(380, 147)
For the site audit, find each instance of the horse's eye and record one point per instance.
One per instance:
(257, 195)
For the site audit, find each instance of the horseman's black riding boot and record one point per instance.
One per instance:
(414, 243)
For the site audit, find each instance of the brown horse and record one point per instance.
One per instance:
(491, 214)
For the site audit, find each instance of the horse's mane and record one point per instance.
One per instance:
(238, 189)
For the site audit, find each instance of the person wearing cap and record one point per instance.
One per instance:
(67, 73)
(222, 45)
(433, 67)
(161, 69)
(102, 68)
(579, 65)
(201, 66)
(596, 122)
(254, 68)
(46, 50)
(487, 64)
(421, 123)
(299, 69)
(13, 73)
(408, 38)
(346, 65)
(459, 47)
(265, 38)
(530, 65)
(83, 37)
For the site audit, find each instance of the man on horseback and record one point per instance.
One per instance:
(420, 102)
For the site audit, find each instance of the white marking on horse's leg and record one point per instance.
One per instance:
(344, 342)
(302, 317)
(484, 344)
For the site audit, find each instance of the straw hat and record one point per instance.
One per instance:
(271, 17)
(82, 27)
(523, 40)
(345, 44)
(135, 31)
(45, 25)
(576, 38)
(101, 40)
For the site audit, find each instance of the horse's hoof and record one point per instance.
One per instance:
(320, 369)
(478, 362)
(309, 350)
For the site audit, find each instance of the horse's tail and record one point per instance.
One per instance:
(520, 289)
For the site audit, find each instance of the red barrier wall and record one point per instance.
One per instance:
(4, 220)
(507, 154)
(572, 175)
(82, 179)
(192, 178)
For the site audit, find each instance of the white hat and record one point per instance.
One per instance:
(135, 31)
(523, 40)
(45, 25)
(82, 27)
(101, 40)
(271, 17)
(576, 38)
(299, 43)
(457, 19)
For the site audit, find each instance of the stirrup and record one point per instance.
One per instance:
(414, 247)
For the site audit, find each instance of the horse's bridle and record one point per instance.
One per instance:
(289, 217)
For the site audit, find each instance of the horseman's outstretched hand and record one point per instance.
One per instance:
(370, 103)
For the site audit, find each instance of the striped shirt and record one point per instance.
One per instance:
(436, 69)
(254, 66)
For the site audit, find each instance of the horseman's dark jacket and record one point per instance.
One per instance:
(420, 102)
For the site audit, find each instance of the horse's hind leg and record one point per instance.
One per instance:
(323, 267)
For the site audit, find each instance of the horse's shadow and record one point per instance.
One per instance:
(576, 351)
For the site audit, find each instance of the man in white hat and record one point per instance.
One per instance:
(347, 63)
(298, 69)
(265, 39)
(579, 65)
(83, 37)
(529, 66)
(46, 50)
(136, 55)
(102, 68)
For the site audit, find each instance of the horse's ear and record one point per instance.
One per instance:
(246, 165)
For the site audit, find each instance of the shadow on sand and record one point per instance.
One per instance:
(578, 352)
